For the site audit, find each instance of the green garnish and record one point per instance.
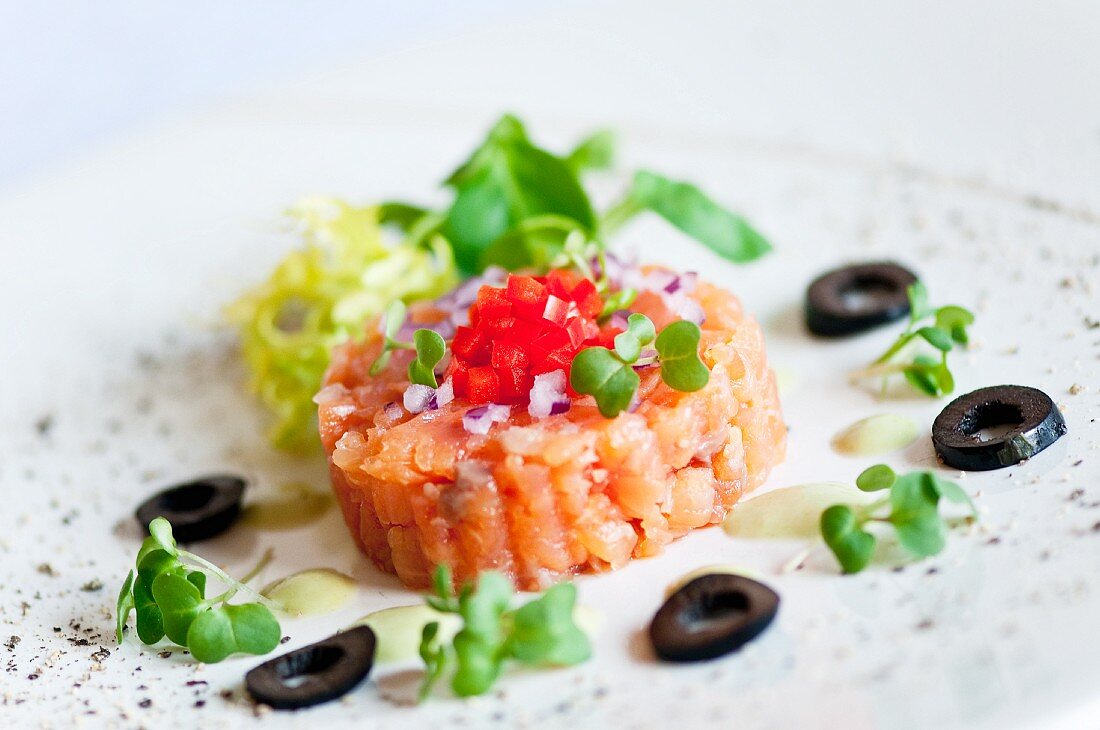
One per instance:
(168, 595)
(430, 349)
(678, 352)
(540, 633)
(323, 294)
(609, 376)
(429, 345)
(392, 321)
(942, 328)
(689, 209)
(515, 204)
(913, 512)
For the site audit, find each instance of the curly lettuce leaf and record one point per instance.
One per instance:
(321, 295)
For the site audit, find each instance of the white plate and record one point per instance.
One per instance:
(115, 270)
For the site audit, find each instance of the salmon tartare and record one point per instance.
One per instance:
(505, 465)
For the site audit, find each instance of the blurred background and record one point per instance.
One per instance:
(1003, 91)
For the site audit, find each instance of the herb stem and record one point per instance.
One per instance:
(618, 214)
(229, 581)
(264, 561)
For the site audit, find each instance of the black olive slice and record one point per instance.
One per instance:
(856, 298)
(712, 616)
(198, 510)
(1032, 419)
(316, 673)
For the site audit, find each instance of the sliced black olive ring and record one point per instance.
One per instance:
(856, 298)
(199, 509)
(712, 616)
(316, 673)
(1033, 422)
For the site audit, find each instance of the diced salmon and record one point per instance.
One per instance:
(543, 499)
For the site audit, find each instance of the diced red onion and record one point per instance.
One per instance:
(479, 420)
(419, 398)
(393, 411)
(548, 395)
(685, 307)
(619, 319)
(444, 394)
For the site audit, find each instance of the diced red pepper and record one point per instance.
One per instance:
(560, 283)
(515, 384)
(556, 311)
(528, 296)
(492, 303)
(471, 345)
(484, 385)
(523, 332)
(508, 356)
(498, 327)
(460, 377)
(587, 298)
(560, 359)
(577, 332)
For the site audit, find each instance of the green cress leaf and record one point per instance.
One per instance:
(154, 562)
(937, 338)
(595, 152)
(434, 655)
(852, 546)
(210, 636)
(125, 605)
(149, 622)
(596, 371)
(246, 629)
(544, 633)
(689, 209)
(923, 378)
(952, 492)
(197, 578)
(955, 320)
(914, 501)
(180, 604)
(400, 215)
(161, 531)
(917, 293)
(639, 333)
(506, 181)
(392, 321)
(922, 533)
(678, 349)
(478, 645)
(430, 349)
(876, 477)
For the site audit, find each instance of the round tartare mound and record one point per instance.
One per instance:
(540, 499)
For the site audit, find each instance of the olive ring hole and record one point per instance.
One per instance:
(864, 293)
(992, 421)
(296, 669)
(715, 608)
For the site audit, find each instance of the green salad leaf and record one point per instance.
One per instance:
(506, 181)
(692, 211)
(323, 294)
